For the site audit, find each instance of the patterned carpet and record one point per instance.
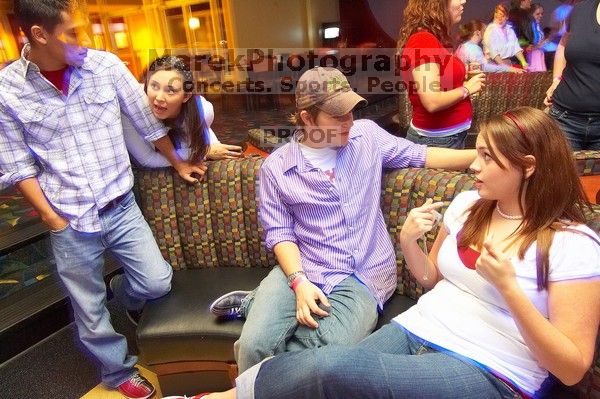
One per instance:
(13, 211)
(28, 265)
(236, 113)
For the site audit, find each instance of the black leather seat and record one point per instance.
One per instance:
(182, 342)
(179, 327)
(186, 346)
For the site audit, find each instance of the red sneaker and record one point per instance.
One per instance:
(137, 387)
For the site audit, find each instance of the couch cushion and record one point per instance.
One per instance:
(404, 189)
(214, 223)
(587, 162)
(155, 194)
(179, 326)
(499, 94)
(393, 307)
(233, 197)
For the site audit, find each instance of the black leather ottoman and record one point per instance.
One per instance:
(188, 348)
(182, 342)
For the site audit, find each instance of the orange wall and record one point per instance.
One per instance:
(280, 23)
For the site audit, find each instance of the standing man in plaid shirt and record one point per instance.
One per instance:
(62, 145)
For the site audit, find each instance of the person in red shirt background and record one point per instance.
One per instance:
(435, 78)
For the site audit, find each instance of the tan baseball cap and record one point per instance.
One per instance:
(327, 89)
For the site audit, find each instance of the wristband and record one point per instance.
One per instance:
(293, 276)
(297, 281)
(466, 92)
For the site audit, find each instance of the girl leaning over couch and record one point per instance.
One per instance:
(506, 272)
(169, 84)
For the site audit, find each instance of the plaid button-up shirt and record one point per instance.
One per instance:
(73, 144)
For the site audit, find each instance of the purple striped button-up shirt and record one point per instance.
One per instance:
(73, 144)
(340, 230)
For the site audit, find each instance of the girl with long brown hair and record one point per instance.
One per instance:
(434, 77)
(170, 86)
(511, 261)
(514, 255)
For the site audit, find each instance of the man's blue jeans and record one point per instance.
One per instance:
(387, 364)
(582, 130)
(271, 326)
(80, 263)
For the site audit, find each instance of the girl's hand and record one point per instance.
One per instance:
(420, 221)
(550, 93)
(218, 151)
(476, 83)
(190, 172)
(516, 70)
(494, 266)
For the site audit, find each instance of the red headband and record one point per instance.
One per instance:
(517, 123)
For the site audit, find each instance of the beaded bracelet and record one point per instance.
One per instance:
(292, 276)
(466, 92)
(297, 281)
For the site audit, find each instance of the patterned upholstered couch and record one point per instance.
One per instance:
(502, 91)
(211, 235)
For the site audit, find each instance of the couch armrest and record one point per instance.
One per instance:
(587, 162)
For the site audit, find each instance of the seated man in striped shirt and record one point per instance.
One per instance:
(319, 206)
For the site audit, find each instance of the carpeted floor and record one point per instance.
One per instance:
(58, 367)
(233, 115)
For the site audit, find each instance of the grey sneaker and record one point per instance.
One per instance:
(229, 305)
(114, 285)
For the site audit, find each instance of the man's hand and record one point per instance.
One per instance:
(186, 170)
(307, 295)
(55, 222)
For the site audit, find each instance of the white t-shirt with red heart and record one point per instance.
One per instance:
(321, 158)
(466, 315)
